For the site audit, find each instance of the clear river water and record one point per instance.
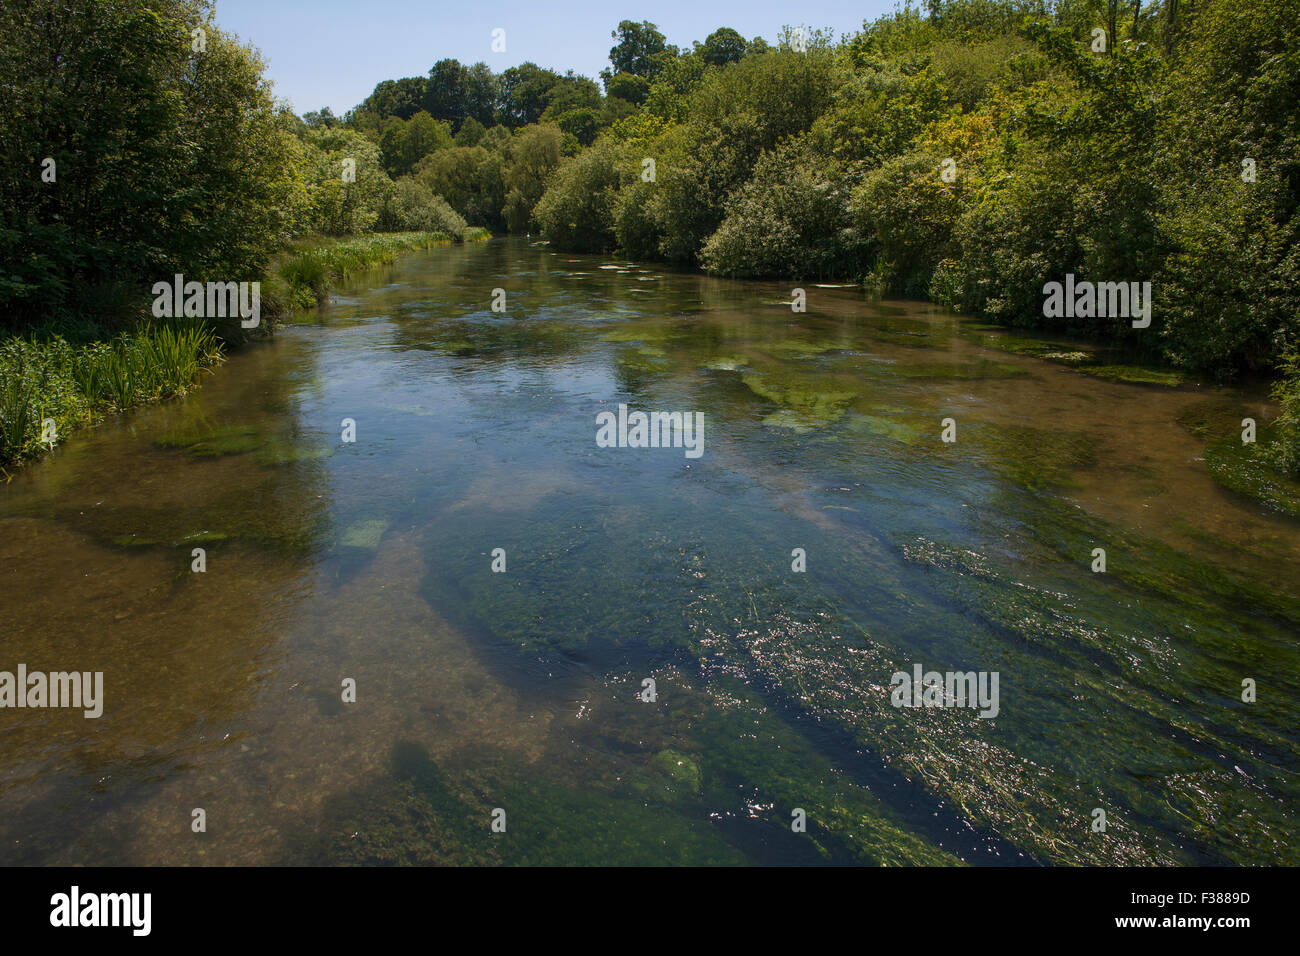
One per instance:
(519, 695)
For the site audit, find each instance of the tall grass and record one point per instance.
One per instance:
(309, 272)
(1285, 450)
(43, 376)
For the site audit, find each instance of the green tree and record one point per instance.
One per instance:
(626, 86)
(412, 206)
(638, 48)
(534, 153)
(165, 159)
(405, 144)
(791, 219)
(577, 211)
(724, 45)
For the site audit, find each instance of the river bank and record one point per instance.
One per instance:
(70, 373)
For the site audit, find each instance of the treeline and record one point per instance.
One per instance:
(489, 143)
(966, 151)
(138, 140)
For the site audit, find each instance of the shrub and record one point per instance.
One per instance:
(577, 211)
(412, 207)
(909, 211)
(791, 220)
(1284, 451)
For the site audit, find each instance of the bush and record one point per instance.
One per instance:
(1227, 288)
(909, 211)
(791, 220)
(577, 211)
(412, 207)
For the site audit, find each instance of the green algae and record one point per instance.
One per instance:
(731, 756)
(1082, 358)
(1211, 417)
(279, 454)
(728, 364)
(800, 349)
(414, 815)
(1243, 468)
(796, 422)
(1033, 458)
(681, 771)
(1247, 470)
(212, 441)
(364, 534)
(263, 514)
(1135, 374)
(805, 395)
(760, 752)
(963, 371)
(877, 425)
(647, 331)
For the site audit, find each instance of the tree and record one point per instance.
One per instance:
(638, 44)
(405, 144)
(626, 86)
(577, 211)
(525, 93)
(322, 117)
(724, 45)
(445, 93)
(412, 206)
(454, 175)
(401, 98)
(470, 132)
(339, 205)
(166, 162)
(534, 153)
(790, 220)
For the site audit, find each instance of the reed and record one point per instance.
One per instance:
(43, 376)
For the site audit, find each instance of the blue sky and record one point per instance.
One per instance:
(333, 52)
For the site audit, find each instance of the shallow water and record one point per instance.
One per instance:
(372, 560)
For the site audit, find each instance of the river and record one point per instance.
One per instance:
(503, 716)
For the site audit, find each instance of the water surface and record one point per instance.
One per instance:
(475, 430)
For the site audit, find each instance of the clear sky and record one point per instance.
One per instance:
(333, 52)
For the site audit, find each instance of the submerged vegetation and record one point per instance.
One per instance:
(1119, 689)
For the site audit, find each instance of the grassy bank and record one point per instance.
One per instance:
(305, 275)
(65, 375)
(56, 379)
